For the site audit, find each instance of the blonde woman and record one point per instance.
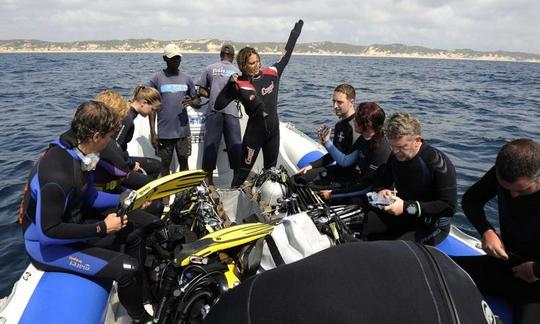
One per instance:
(117, 169)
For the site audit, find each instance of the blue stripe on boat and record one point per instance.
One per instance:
(308, 158)
(67, 298)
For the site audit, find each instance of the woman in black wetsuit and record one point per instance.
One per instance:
(116, 168)
(371, 151)
(257, 89)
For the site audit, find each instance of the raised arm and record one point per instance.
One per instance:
(289, 47)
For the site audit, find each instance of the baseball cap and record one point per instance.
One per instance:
(227, 49)
(171, 50)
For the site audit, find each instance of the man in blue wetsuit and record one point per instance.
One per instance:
(223, 122)
(511, 268)
(63, 228)
(258, 89)
(421, 182)
(177, 91)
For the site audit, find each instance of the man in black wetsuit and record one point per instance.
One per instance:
(63, 228)
(511, 267)
(421, 181)
(322, 173)
(258, 89)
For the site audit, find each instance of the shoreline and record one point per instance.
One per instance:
(374, 55)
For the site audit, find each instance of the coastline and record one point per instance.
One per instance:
(487, 58)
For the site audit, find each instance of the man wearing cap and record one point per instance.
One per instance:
(177, 91)
(223, 122)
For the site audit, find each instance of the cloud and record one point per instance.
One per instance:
(447, 24)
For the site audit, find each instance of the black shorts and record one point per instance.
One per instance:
(167, 146)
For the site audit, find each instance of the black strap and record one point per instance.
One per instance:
(274, 251)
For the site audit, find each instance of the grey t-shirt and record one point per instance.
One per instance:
(173, 121)
(214, 78)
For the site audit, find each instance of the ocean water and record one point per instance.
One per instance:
(467, 109)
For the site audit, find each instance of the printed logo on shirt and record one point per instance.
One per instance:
(267, 90)
(221, 71)
(249, 156)
(173, 88)
(218, 71)
(78, 263)
(340, 137)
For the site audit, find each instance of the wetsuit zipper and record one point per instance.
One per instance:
(449, 301)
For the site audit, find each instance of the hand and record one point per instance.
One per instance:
(188, 101)
(137, 166)
(326, 194)
(525, 271)
(203, 92)
(324, 133)
(115, 223)
(397, 207)
(297, 29)
(305, 169)
(234, 77)
(320, 130)
(386, 193)
(325, 136)
(492, 245)
(154, 141)
(146, 204)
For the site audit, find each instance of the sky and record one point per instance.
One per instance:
(485, 25)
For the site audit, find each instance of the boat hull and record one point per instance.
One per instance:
(65, 298)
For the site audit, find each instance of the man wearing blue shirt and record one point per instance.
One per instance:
(177, 91)
(223, 122)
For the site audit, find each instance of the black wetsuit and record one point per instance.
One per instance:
(125, 134)
(428, 178)
(64, 231)
(369, 160)
(115, 169)
(325, 174)
(259, 95)
(152, 167)
(519, 219)
(385, 282)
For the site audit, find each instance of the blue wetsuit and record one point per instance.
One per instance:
(64, 231)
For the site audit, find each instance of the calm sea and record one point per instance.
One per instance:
(468, 109)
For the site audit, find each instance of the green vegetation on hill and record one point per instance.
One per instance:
(213, 45)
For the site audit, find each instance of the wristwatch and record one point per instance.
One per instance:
(412, 207)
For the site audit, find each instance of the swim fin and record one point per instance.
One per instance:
(222, 240)
(168, 185)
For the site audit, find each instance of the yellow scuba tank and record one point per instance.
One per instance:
(221, 240)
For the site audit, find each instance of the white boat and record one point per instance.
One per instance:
(52, 297)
